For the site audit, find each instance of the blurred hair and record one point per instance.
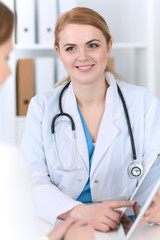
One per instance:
(6, 23)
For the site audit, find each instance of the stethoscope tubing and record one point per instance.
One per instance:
(60, 115)
(133, 167)
(128, 124)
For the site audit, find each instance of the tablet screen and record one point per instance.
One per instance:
(141, 196)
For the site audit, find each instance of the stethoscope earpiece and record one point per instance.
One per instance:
(135, 170)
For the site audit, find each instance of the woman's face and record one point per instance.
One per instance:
(83, 51)
(5, 50)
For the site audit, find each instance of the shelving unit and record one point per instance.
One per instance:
(34, 47)
(131, 25)
(29, 51)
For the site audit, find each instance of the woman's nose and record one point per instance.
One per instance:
(82, 55)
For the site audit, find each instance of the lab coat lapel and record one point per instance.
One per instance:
(108, 130)
(70, 106)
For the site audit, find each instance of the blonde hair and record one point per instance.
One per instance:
(86, 16)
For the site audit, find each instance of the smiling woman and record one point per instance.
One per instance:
(75, 134)
(86, 18)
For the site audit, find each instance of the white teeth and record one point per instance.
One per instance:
(85, 67)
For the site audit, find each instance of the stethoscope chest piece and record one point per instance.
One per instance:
(135, 170)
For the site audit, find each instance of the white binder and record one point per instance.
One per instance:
(66, 5)
(25, 21)
(46, 16)
(44, 74)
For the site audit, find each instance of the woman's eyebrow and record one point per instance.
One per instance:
(73, 45)
(69, 44)
(93, 40)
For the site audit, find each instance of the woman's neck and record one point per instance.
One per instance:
(91, 94)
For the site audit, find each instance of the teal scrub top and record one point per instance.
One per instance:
(85, 196)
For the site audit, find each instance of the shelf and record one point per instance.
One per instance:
(34, 47)
(129, 45)
(20, 118)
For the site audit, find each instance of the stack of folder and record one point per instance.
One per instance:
(35, 21)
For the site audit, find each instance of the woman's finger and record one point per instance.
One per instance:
(113, 215)
(109, 222)
(118, 204)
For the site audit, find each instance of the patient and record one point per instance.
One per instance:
(18, 220)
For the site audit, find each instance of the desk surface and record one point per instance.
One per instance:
(142, 233)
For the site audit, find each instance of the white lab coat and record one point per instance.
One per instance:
(17, 214)
(56, 191)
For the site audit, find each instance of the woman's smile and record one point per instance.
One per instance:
(85, 68)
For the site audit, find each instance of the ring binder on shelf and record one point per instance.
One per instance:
(44, 74)
(25, 85)
(25, 22)
(46, 15)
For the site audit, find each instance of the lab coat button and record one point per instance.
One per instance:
(96, 181)
(79, 180)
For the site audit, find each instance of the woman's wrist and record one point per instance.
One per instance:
(74, 212)
(65, 215)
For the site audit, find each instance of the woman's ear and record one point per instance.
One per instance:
(58, 52)
(109, 47)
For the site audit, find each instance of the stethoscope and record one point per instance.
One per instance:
(135, 169)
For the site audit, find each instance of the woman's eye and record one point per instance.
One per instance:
(93, 45)
(70, 49)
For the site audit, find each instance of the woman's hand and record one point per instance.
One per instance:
(102, 216)
(72, 229)
(80, 231)
(60, 230)
(153, 212)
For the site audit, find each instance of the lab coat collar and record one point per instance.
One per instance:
(107, 131)
(113, 101)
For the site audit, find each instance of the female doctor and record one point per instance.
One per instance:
(78, 140)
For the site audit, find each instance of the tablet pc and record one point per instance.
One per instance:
(143, 196)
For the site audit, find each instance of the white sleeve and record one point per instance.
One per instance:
(50, 201)
(18, 219)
